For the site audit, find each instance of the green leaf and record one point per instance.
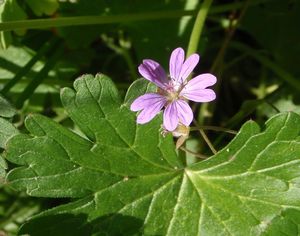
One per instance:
(285, 100)
(72, 35)
(128, 180)
(143, 34)
(3, 167)
(7, 131)
(6, 109)
(40, 7)
(14, 59)
(284, 224)
(277, 30)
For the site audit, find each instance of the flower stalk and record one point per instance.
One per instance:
(198, 27)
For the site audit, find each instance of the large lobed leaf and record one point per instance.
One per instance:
(128, 180)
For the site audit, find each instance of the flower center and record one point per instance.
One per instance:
(176, 86)
(171, 90)
(172, 96)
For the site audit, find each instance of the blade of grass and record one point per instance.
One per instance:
(234, 6)
(247, 109)
(198, 27)
(38, 79)
(214, 128)
(280, 72)
(91, 20)
(216, 68)
(24, 70)
(193, 46)
(97, 20)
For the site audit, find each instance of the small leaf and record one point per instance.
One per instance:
(129, 179)
(7, 131)
(6, 109)
(40, 7)
(3, 167)
(139, 87)
(285, 224)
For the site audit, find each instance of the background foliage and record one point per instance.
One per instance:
(253, 48)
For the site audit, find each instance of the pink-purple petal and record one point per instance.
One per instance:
(201, 82)
(146, 100)
(149, 112)
(185, 112)
(170, 117)
(176, 109)
(195, 90)
(188, 66)
(152, 71)
(201, 95)
(176, 62)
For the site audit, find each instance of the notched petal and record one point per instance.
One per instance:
(201, 82)
(188, 66)
(176, 62)
(171, 117)
(149, 112)
(146, 100)
(203, 95)
(152, 71)
(185, 112)
(196, 89)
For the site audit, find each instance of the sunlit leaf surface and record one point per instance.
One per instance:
(126, 179)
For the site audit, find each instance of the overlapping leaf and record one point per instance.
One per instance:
(129, 180)
(41, 7)
(7, 130)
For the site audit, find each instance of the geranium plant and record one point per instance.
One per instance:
(207, 149)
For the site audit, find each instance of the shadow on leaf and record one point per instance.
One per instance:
(77, 225)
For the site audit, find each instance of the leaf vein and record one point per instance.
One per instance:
(204, 203)
(156, 191)
(111, 125)
(176, 206)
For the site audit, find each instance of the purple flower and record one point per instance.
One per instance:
(173, 91)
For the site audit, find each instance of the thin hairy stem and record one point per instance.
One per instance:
(214, 128)
(201, 156)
